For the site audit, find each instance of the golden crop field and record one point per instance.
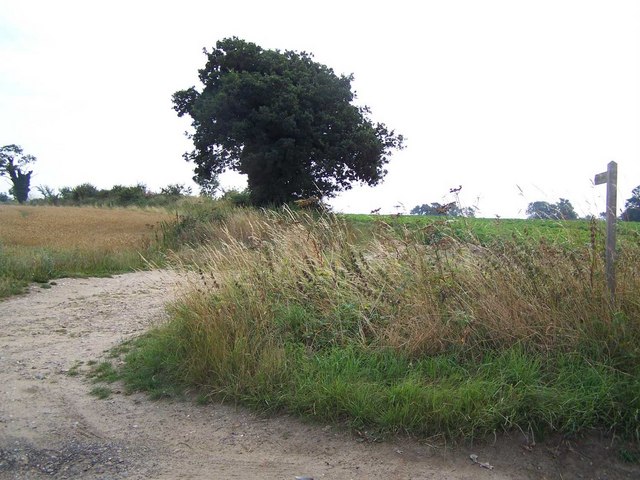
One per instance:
(84, 228)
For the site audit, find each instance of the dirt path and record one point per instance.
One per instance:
(50, 427)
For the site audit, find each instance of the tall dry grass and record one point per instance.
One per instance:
(421, 291)
(402, 329)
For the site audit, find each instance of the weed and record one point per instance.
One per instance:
(104, 372)
(101, 392)
(120, 350)
(629, 455)
(74, 371)
(152, 365)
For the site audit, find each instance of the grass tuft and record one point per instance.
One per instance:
(101, 392)
(104, 372)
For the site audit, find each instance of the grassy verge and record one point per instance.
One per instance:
(408, 329)
(383, 391)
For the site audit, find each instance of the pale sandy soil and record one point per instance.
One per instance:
(50, 427)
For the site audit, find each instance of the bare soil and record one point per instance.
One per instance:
(50, 427)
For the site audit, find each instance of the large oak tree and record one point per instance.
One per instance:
(285, 121)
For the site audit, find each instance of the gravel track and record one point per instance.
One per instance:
(50, 427)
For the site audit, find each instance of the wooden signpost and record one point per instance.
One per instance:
(610, 177)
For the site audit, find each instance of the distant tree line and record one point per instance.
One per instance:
(443, 210)
(561, 210)
(118, 195)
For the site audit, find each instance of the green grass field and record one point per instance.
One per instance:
(490, 230)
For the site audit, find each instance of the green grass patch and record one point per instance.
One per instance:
(101, 392)
(104, 372)
(120, 350)
(154, 365)
(11, 286)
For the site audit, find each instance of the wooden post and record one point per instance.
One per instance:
(610, 177)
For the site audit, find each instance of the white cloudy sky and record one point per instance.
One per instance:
(514, 100)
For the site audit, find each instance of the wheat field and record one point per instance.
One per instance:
(40, 243)
(78, 227)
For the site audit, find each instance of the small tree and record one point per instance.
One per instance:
(565, 210)
(12, 163)
(175, 190)
(562, 210)
(82, 192)
(631, 211)
(127, 195)
(49, 194)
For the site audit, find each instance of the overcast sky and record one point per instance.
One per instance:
(516, 101)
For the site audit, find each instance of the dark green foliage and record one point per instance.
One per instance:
(208, 186)
(176, 190)
(4, 198)
(562, 210)
(237, 198)
(632, 207)
(285, 121)
(129, 195)
(79, 193)
(118, 195)
(12, 162)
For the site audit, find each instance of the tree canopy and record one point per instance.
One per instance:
(285, 121)
(13, 160)
(631, 211)
(561, 210)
